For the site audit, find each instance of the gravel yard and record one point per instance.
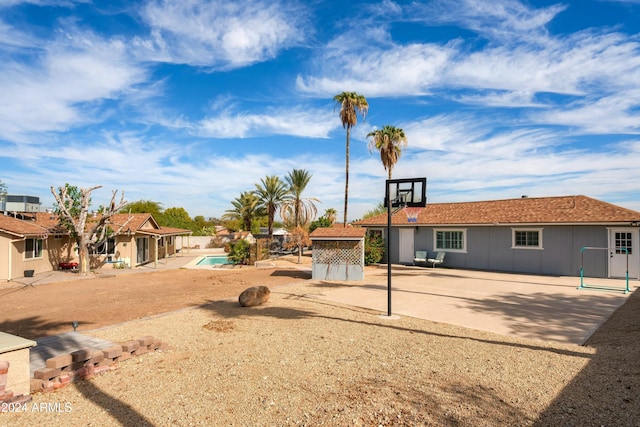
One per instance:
(299, 360)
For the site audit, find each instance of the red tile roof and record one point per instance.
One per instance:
(20, 227)
(46, 222)
(338, 233)
(539, 210)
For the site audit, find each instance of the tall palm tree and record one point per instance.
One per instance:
(245, 208)
(296, 210)
(390, 141)
(351, 104)
(271, 192)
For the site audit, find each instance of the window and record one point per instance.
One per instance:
(624, 241)
(526, 238)
(451, 240)
(106, 247)
(33, 248)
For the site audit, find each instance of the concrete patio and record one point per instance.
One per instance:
(543, 308)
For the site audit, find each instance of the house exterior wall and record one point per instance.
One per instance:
(490, 248)
(5, 247)
(13, 262)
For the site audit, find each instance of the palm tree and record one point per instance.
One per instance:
(390, 141)
(245, 208)
(295, 210)
(351, 103)
(331, 215)
(271, 192)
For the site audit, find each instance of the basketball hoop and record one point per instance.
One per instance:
(412, 214)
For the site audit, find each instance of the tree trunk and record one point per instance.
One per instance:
(84, 264)
(346, 177)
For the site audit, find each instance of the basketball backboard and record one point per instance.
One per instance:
(406, 192)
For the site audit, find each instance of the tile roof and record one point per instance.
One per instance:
(528, 210)
(47, 222)
(136, 220)
(338, 233)
(20, 227)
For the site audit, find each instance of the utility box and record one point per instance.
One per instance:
(338, 253)
(14, 365)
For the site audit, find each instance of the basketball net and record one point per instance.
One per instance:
(412, 214)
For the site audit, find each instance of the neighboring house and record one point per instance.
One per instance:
(526, 235)
(141, 240)
(35, 242)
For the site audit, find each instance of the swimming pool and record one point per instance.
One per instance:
(213, 260)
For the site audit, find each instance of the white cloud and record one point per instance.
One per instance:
(299, 121)
(219, 34)
(616, 114)
(62, 82)
(503, 20)
(399, 70)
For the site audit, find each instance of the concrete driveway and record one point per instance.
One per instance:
(543, 308)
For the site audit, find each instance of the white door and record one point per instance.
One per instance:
(619, 240)
(406, 248)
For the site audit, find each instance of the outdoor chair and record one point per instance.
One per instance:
(421, 258)
(439, 259)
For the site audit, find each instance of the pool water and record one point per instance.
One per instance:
(214, 260)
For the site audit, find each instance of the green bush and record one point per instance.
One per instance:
(239, 252)
(373, 248)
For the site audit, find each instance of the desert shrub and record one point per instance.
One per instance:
(373, 248)
(239, 252)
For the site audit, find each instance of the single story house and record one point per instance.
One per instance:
(526, 235)
(34, 243)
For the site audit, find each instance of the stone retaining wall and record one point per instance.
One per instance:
(85, 363)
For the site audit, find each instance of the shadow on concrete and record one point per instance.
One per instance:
(542, 314)
(607, 390)
(120, 411)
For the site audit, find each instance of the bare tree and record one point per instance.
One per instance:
(73, 212)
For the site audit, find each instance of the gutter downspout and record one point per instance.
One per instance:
(9, 256)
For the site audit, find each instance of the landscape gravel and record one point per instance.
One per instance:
(299, 360)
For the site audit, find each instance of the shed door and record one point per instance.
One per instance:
(619, 239)
(406, 254)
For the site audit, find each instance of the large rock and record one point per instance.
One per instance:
(254, 295)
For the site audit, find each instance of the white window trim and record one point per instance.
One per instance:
(464, 240)
(106, 248)
(35, 246)
(535, 248)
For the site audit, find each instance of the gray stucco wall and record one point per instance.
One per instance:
(489, 248)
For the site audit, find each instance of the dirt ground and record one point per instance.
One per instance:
(299, 360)
(48, 309)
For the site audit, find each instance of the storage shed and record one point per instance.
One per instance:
(338, 253)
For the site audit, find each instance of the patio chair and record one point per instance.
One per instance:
(439, 259)
(421, 258)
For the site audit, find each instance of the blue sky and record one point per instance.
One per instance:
(190, 102)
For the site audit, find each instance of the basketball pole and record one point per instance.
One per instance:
(388, 249)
